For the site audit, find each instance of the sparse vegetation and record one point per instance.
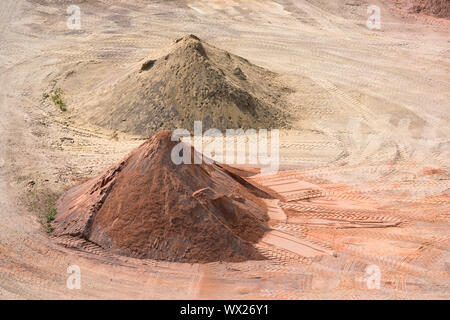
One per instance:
(56, 96)
(51, 214)
(49, 217)
(57, 99)
(39, 200)
(49, 228)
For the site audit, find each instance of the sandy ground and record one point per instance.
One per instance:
(365, 177)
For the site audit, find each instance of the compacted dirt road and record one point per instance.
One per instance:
(361, 206)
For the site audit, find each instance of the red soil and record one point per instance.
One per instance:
(431, 171)
(148, 207)
(437, 8)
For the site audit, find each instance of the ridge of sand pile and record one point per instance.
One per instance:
(148, 207)
(437, 8)
(190, 81)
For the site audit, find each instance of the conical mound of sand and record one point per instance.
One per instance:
(190, 81)
(149, 207)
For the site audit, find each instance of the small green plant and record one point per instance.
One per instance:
(48, 228)
(50, 216)
(56, 96)
(39, 199)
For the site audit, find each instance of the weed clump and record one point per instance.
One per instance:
(56, 97)
(49, 217)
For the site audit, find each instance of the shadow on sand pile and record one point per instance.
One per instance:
(191, 81)
(148, 207)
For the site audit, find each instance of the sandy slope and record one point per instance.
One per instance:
(368, 102)
(191, 81)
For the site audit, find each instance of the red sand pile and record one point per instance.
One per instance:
(148, 207)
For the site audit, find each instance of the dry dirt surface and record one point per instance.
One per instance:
(363, 191)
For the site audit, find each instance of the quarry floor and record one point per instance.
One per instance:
(346, 205)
